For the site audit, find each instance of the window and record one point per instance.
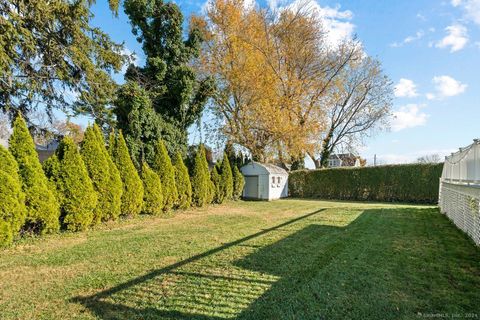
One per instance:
(279, 179)
(273, 179)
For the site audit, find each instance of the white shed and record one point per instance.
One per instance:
(264, 181)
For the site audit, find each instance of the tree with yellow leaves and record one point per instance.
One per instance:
(277, 76)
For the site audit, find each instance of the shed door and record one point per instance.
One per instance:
(251, 187)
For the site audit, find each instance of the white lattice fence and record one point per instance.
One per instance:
(461, 204)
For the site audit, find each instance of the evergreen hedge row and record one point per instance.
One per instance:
(81, 186)
(411, 183)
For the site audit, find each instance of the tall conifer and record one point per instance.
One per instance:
(153, 194)
(227, 178)
(202, 186)
(12, 198)
(238, 183)
(162, 164)
(79, 197)
(182, 180)
(42, 208)
(132, 197)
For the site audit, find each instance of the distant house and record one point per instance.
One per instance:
(45, 151)
(344, 160)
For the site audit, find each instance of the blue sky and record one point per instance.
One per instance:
(430, 50)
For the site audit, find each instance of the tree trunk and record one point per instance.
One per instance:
(326, 150)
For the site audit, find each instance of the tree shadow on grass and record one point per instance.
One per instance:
(384, 263)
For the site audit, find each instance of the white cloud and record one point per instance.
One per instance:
(456, 38)
(405, 88)
(336, 22)
(132, 55)
(421, 17)
(247, 4)
(446, 86)
(408, 116)
(133, 58)
(471, 8)
(417, 36)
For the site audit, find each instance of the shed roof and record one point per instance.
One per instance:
(270, 168)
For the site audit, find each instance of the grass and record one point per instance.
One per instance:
(289, 259)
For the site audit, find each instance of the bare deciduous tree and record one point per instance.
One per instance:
(430, 158)
(360, 103)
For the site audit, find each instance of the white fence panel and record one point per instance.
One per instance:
(460, 190)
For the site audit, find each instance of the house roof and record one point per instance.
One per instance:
(51, 145)
(270, 168)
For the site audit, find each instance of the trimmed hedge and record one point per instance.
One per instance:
(412, 183)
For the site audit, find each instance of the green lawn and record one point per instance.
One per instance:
(289, 259)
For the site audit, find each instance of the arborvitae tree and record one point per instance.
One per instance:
(200, 178)
(227, 178)
(115, 186)
(231, 154)
(182, 180)
(12, 199)
(79, 196)
(97, 167)
(42, 208)
(132, 197)
(219, 195)
(164, 168)
(238, 183)
(52, 167)
(7, 162)
(153, 194)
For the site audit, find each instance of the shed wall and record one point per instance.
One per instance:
(278, 190)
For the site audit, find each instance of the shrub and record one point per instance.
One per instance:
(42, 208)
(238, 183)
(132, 197)
(7, 162)
(164, 168)
(153, 194)
(12, 198)
(414, 183)
(182, 181)
(79, 196)
(51, 167)
(115, 185)
(226, 178)
(202, 187)
(99, 166)
(6, 235)
(219, 192)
